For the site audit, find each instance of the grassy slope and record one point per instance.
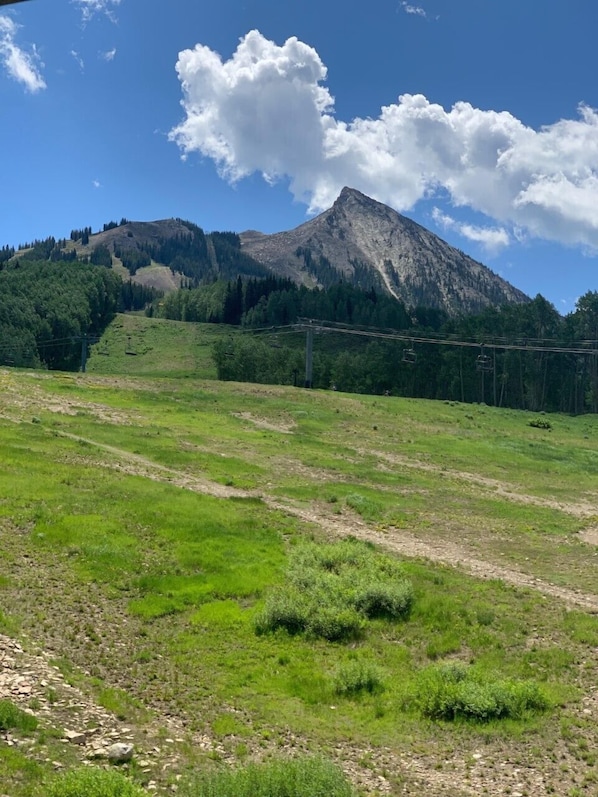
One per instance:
(160, 348)
(101, 513)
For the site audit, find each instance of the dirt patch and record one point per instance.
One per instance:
(284, 427)
(17, 405)
(590, 535)
(159, 277)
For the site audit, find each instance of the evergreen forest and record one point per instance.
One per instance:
(47, 307)
(524, 356)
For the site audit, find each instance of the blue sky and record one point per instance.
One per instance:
(473, 117)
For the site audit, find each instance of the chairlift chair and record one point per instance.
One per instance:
(484, 362)
(409, 356)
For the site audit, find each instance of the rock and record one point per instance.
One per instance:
(119, 752)
(75, 737)
(97, 752)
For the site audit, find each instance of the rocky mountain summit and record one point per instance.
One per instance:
(371, 245)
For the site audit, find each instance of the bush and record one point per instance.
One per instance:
(336, 623)
(12, 718)
(356, 677)
(305, 777)
(89, 782)
(332, 590)
(539, 423)
(453, 692)
(283, 610)
(391, 601)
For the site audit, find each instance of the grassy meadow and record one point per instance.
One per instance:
(407, 588)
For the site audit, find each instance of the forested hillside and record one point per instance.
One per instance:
(274, 301)
(46, 307)
(180, 245)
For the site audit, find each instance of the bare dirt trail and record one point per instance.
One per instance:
(399, 541)
(580, 509)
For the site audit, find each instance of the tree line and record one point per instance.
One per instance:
(276, 301)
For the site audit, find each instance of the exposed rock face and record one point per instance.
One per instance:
(367, 243)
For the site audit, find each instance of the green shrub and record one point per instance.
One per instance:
(91, 782)
(12, 718)
(336, 623)
(392, 601)
(283, 609)
(305, 777)
(363, 506)
(355, 677)
(485, 616)
(333, 589)
(453, 692)
(538, 423)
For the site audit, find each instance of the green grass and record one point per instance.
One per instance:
(94, 782)
(177, 579)
(21, 771)
(12, 718)
(134, 344)
(307, 777)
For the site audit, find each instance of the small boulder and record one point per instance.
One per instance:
(119, 752)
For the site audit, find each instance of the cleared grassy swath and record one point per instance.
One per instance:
(134, 344)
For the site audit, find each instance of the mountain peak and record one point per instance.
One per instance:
(363, 241)
(352, 193)
(347, 192)
(351, 200)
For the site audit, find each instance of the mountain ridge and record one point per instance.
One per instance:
(358, 240)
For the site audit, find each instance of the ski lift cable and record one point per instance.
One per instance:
(322, 327)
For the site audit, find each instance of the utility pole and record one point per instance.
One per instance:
(309, 356)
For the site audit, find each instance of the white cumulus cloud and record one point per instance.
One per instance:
(108, 55)
(89, 8)
(22, 66)
(266, 110)
(493, 239)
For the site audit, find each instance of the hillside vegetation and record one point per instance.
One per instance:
(222, 573)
